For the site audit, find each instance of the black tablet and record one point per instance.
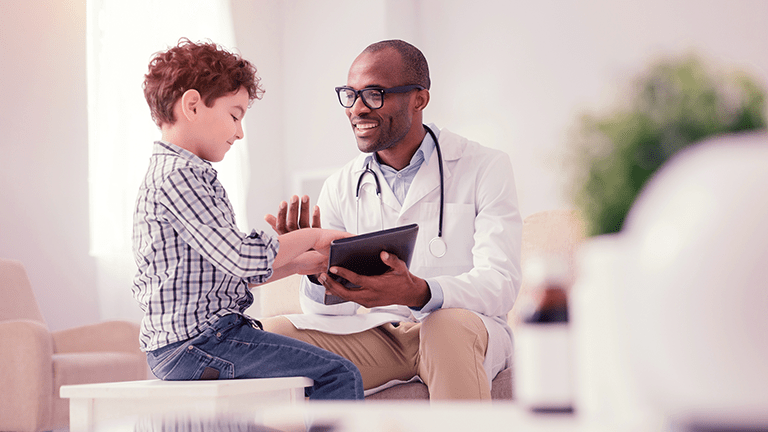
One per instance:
(361, 253)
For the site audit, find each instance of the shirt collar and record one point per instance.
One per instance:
(162, 146)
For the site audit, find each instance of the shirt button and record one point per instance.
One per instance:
(218, 334)
(190, 348)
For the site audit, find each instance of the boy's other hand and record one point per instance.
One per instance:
(293, 216)
(310, 263)
(323, 243)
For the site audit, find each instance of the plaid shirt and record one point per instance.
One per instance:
(194, 265)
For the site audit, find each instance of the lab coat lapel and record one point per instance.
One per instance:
(425, 181)
(428, 177)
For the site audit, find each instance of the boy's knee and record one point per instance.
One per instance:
(353, 370)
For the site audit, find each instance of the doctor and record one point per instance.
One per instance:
(444, 320)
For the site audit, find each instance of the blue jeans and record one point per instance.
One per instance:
(231, 348)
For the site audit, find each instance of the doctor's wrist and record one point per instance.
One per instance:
(421, 294)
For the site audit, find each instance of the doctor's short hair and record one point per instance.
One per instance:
(416, 68)
(203, 66)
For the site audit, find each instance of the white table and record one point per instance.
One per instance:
(94, 405)
(423, 416)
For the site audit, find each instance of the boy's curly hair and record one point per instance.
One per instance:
(203, 66)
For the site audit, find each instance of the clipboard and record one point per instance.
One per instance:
(361, 254)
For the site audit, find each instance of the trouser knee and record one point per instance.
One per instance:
(279, 324)
(283, 326)
(445, 329)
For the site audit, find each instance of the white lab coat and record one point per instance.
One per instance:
(482, 229)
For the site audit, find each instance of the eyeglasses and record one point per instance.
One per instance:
(373, 97)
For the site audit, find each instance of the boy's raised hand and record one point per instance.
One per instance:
(293, 216)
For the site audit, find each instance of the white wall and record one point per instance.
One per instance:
(44, 155)
(516, 75)
(302, 54)
(511, 75)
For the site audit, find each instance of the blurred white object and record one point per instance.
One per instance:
(606, 396)
(693, 298)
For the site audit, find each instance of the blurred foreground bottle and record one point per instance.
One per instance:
(543, 367)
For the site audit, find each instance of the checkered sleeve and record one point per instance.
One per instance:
(202, 215)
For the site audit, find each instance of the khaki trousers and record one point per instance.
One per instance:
(446, 351)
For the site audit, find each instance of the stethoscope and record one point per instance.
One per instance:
(437, 246)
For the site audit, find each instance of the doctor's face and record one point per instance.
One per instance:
(383, 128)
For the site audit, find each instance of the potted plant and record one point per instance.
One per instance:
(672, 105)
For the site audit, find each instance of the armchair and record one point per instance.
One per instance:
(37, 362)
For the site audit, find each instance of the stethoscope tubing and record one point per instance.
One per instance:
(437, 241)
(442, 184)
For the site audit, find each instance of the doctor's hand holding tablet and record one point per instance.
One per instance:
(396, 285)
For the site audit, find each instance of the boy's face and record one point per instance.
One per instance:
(220, 125)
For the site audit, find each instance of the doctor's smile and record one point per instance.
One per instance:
(364, 126)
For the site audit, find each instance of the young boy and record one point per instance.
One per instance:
(195, 268)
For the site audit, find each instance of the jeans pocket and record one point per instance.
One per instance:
(193, 363)
(157, 359)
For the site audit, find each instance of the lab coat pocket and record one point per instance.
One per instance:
(458, 235)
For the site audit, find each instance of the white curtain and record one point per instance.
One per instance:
(122, 36)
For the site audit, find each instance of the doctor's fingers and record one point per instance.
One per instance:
(302, 208)
(397, 269)
(315, 216)
(346, 274)
(361, 296)
(304, 214)
(298, 214)
(334, 287)
(292, 221)
(393, 262)
(272, 221)
(278, 222)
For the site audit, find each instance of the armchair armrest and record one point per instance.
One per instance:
(278, 297)
(26, 349)
(108, 336)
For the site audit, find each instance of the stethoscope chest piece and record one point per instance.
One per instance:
(437, 247)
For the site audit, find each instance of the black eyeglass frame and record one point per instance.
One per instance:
(382, 91)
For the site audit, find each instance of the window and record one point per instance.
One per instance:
(121, 38)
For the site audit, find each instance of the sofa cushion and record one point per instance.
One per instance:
(280, 297)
